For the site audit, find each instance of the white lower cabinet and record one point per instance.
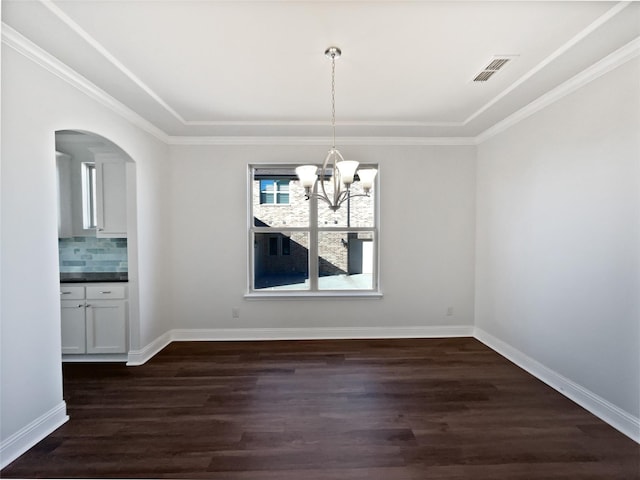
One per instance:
(106, 326)
(95, 322)
(73, 327)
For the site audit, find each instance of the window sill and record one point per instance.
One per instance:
(351, 294)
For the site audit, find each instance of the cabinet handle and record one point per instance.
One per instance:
(80, 305)
(65, 293)
(106, 291)
(100, 229)
(88, 305)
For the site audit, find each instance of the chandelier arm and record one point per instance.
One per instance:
(344, 195)
(322, 176)
(360, 195)
(327, 201)
(336, 183)
(337, 177)
(321, 197)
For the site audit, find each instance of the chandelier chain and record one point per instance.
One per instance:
(333, 97)
(342, 171)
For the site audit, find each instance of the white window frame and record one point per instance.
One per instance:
(277, 193)
(313, 231)
(89, 195)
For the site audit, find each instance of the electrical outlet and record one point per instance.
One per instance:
(235, 312)
(449, 311)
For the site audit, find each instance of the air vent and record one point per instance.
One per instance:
(495, 64)
(484, 76)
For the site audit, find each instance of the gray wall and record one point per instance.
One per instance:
(558, 219)
(426, 241)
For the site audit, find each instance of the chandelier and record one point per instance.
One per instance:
(342, 172)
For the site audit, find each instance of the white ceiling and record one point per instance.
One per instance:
(225, 68)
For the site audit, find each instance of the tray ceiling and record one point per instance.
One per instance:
(256, 68)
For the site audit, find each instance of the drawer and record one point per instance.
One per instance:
(71, 292)
(105, 292)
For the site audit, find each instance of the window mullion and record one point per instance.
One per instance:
(313, 244)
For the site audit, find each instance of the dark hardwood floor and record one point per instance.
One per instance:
(306, 410)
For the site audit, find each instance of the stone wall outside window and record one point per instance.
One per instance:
(333, 246)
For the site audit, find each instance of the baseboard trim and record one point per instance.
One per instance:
(27, 437)
(601, 408)
(140, 357)
(230, 334)
(94, 358)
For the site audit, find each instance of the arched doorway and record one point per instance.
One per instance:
(97, 240)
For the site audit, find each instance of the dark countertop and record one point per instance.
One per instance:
(97, 277)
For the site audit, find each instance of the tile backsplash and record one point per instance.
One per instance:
(91, 254)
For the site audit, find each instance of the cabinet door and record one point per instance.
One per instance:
(111, 197)
(63, 168)
(106, 326)
(73, 326)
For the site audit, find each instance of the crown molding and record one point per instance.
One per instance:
(316, 123)
(63, 17)
(78, 30)
(30, 50)
(321, 141)
(102, 50)
(608, 15)
(608, 63)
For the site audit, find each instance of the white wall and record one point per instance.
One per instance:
(427, 239)
(558, 237)
(35, 104)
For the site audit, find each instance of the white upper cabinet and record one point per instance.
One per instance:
(111, 196)
(63, 170)
(92, 187)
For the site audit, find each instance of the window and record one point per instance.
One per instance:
(286, 245)
(273, 191)
(273, 246)
(304, 248)
(279, 245)
(89, 208)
